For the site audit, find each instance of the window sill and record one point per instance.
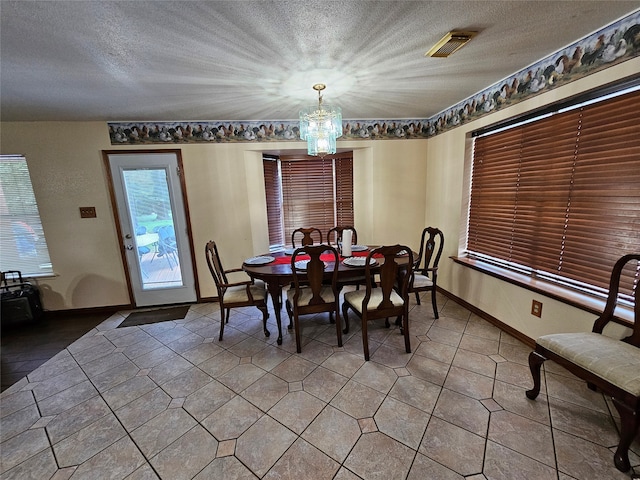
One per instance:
(591, 304)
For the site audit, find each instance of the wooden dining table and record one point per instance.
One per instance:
(278, 274)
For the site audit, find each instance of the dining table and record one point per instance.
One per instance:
(274, 269)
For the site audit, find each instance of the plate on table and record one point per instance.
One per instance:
(402, 253)
(289, 251)
(261, 260)
(358, 261)
(359, 248)
(301, 264)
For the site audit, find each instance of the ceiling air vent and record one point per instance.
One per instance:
(450, 43)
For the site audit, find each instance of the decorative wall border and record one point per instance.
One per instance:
(609, 46)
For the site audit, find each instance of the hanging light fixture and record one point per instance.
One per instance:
(320, 126)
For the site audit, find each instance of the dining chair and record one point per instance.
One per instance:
(334, 235)
(310, 235)
(310, 293)
(246, 293)
(425, 272)
(389, 298)
(334, 238)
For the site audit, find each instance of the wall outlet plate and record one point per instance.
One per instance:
(536, 308)
(87, 212)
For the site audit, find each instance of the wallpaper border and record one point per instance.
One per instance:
(609, 46)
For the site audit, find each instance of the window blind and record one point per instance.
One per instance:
(309, 192)
(274, 200)
(560, 197)
(22, 243)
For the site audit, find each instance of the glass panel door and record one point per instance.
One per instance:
(153, 223)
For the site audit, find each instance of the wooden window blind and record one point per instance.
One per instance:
(560, 197)
(273, 193)
(310, 192)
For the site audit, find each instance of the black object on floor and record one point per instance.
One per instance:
(154, 316)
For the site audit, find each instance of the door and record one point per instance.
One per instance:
(153, 225)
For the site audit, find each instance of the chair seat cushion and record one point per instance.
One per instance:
(354, 298)
(238, 294)
(616, 361)
(306, 295)
(420, 281)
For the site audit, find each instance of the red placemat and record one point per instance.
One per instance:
(325, 257)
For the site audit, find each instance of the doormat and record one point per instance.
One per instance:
(155, 316)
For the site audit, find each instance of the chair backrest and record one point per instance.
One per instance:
(393, 274)
(431, 244)
(215, 265)
(612, 300)
(334, 236)
(313, 274)
(308, 234)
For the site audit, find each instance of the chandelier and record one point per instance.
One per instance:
(320, 125)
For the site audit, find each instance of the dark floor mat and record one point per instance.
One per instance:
(154, 316)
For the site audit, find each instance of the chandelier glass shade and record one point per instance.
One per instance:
(320, 126)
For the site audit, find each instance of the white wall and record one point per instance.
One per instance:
(225, 193)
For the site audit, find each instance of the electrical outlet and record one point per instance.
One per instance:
(536, 308)
(87, 212)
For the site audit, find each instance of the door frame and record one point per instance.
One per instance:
(116, 215)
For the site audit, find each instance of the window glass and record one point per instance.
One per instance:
(23, 246)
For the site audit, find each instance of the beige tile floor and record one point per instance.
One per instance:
(169, 401)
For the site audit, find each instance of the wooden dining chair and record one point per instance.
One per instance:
(310, 294)
(246, 293)
(334, 238)
(425, 272)
(310, 235)
(390, 298)
(334, 235)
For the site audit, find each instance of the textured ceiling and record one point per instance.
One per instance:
(257, 60)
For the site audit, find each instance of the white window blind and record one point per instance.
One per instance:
(22, 243)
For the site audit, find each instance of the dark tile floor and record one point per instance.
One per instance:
(24, 348)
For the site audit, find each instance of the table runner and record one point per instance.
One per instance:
(325, 257)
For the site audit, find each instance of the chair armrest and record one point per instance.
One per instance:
(238, 284)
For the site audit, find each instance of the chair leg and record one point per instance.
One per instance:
(417, 298)
(365, 340)
(228, 314)
(433, 302)
(338, 326)
(535, 362)
(222, 322)
(629, 423)
(407, 340)
(296, 323)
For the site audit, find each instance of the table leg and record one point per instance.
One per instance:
(275, 290)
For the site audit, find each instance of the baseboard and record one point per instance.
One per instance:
(489, 318)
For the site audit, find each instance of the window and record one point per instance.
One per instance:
(306, 191)
(558, 197)
(22, 243)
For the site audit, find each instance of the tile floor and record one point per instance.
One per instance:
(169, 401)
